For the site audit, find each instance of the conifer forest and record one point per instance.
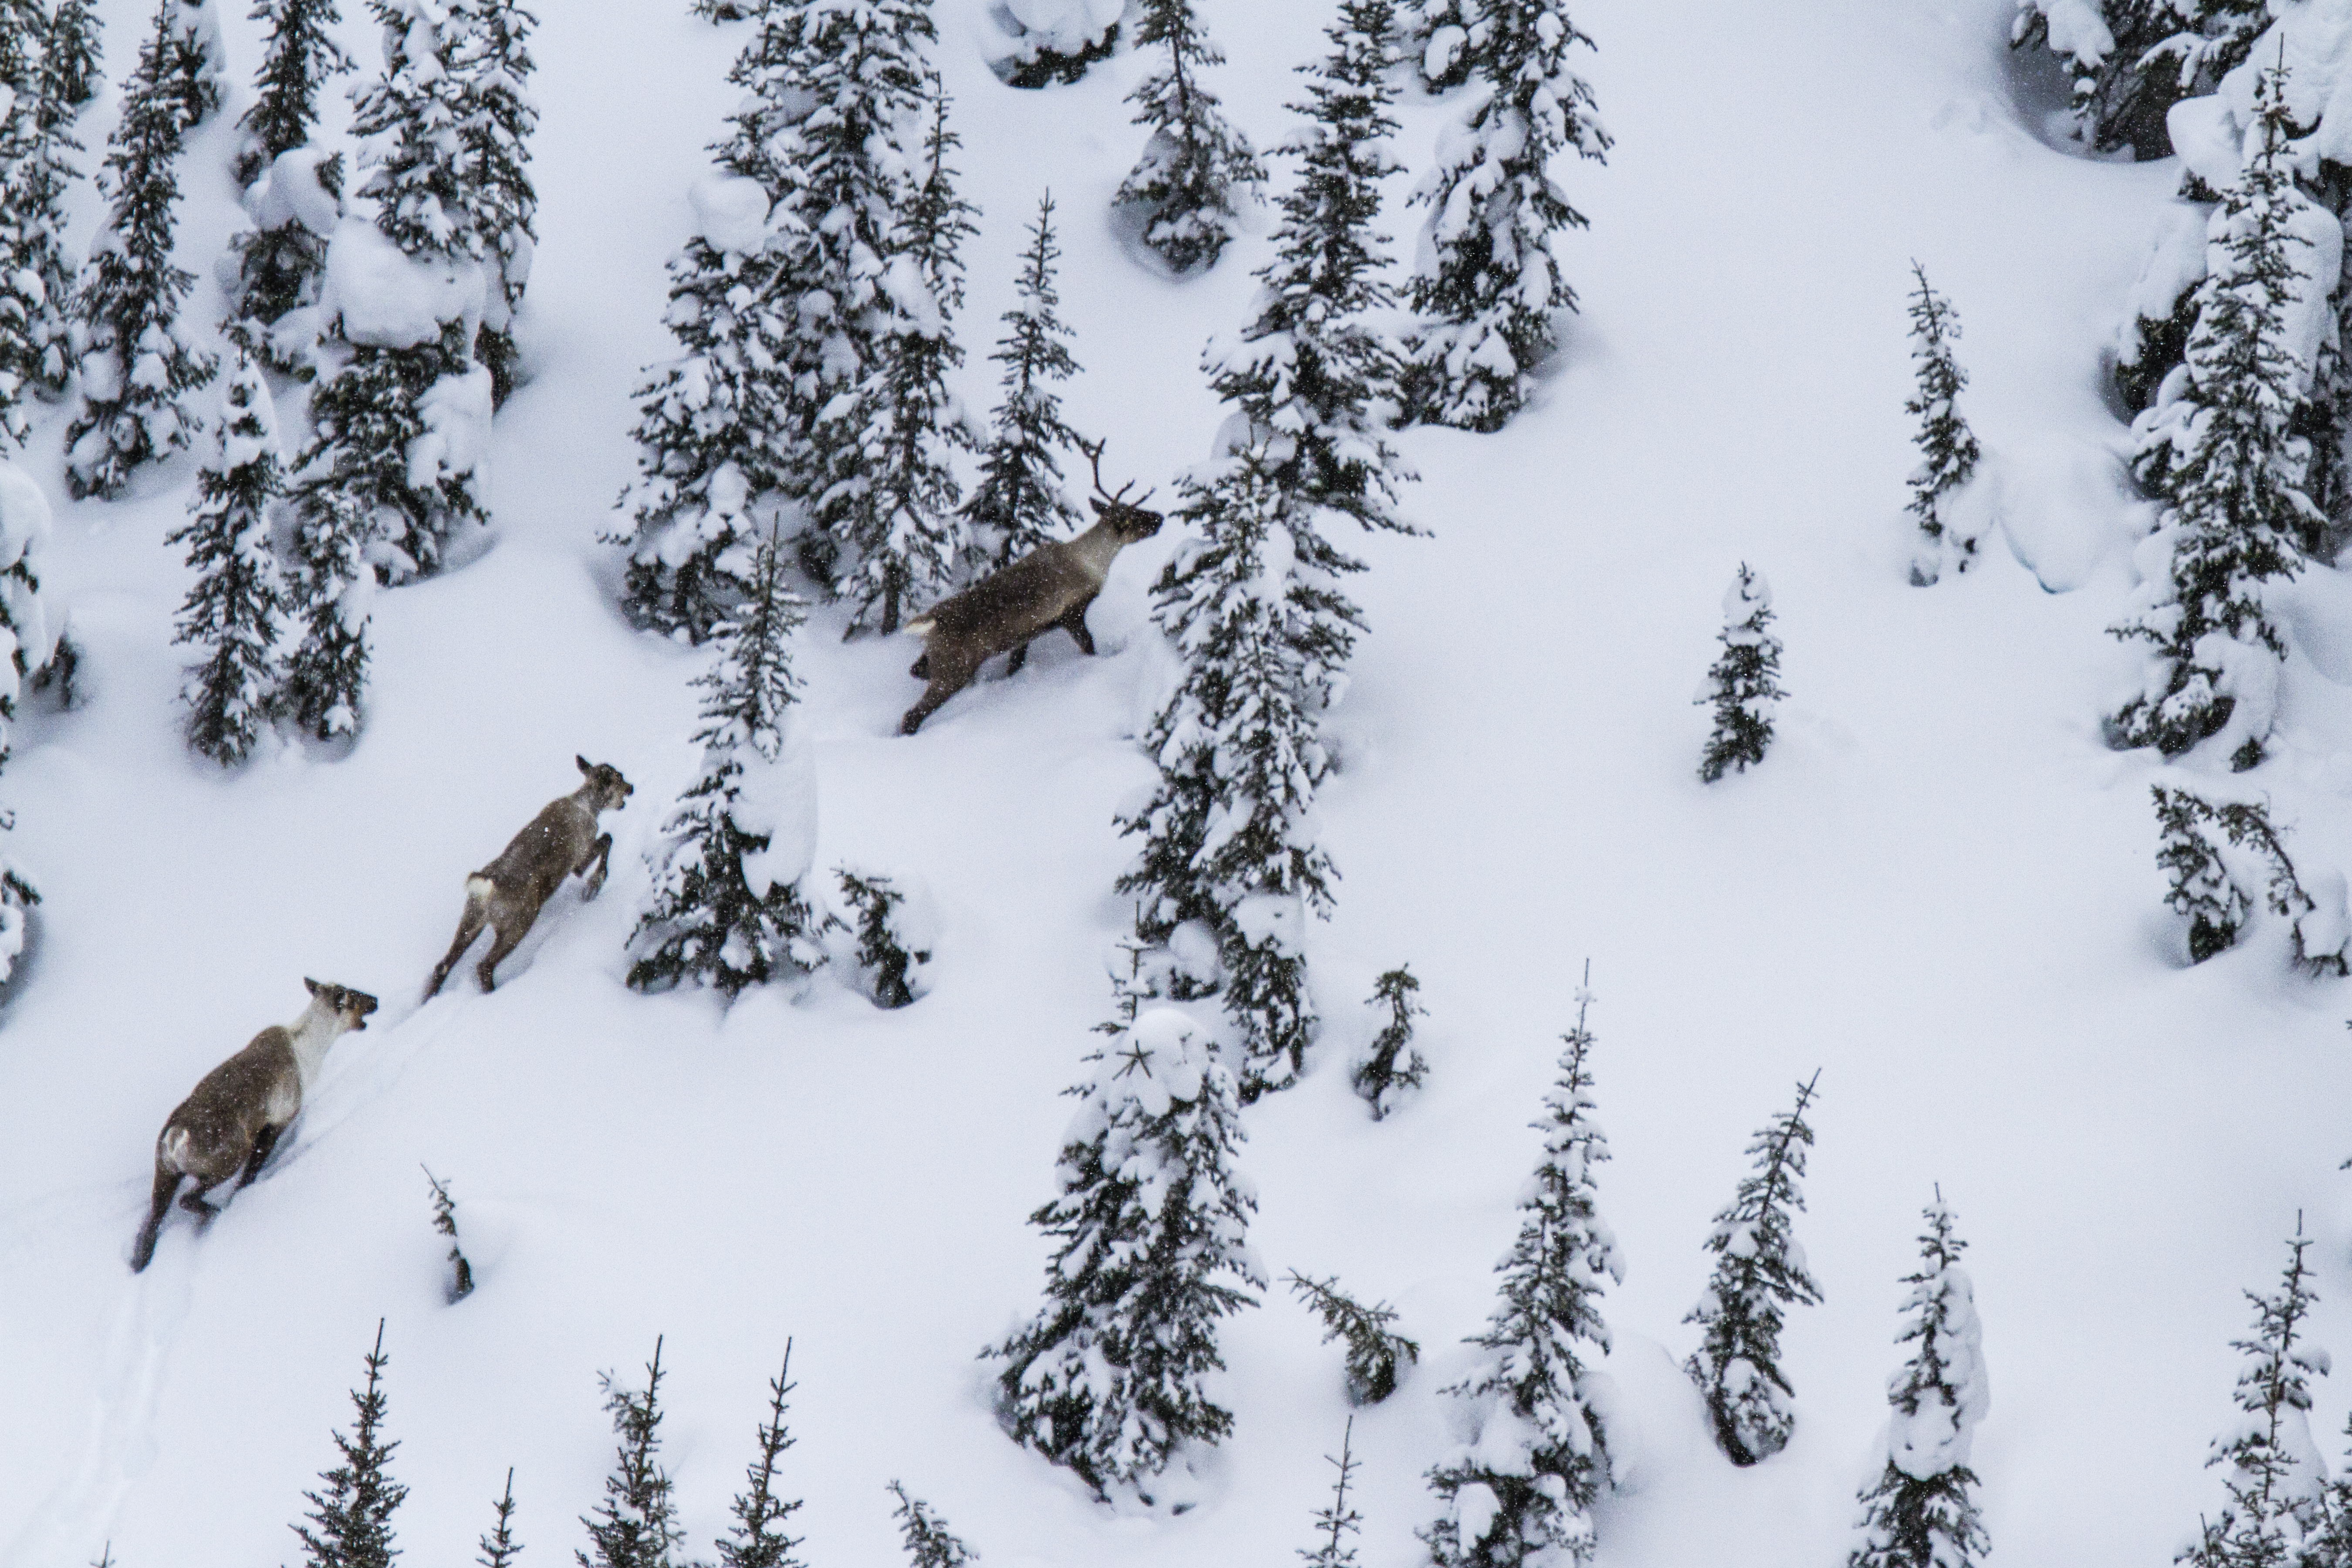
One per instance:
(1155, 783)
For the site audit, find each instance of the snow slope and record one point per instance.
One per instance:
(1939, 888)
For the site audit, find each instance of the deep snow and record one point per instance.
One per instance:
(1939, 888)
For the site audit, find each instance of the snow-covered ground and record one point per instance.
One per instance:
(1939, 888)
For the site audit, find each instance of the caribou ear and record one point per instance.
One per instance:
(1098, 506)
(311, 984)
(585, 765)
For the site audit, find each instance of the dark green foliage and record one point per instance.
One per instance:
(499, 1548)
(2163, 51)
(461, 1273)
(1744, 682)
(278, 269)
(196, 62)
(2275, 1510)
(637, 1524)
(297, 63)
(1373, 1351)
(1948, 448)
(500, 120)
(138, 367)
(1338, 1521)
(2221, 449)
(1393, 1066)
(708, 922)
(69, 60)
(36, 171)
(928, 1543)
(1758, 1271)
(882, 953)
(235, 610)
(352, 1517)
(1197, 170)
(2217, 898)
(1034, 65)
(1019, 502)
(1488, 291)
(758, 1539)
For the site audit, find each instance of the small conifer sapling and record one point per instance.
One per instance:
(928, 1541)
(1744, 683)
(1759, 1271)
(1019, 502)
(637, 1524)
(1374, 1351)
(1197, 172)
(499, 1548)
(351, 1518)
(1393, 1066)
(885, 956)
(757, 1538)
(1336, 1522)
(445, 1220)
(1947, 448)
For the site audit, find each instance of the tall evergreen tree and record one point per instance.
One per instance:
(36, 170)
(234, 612)
(1744, 683)
(2273, 1472)
(352, 1517)
(1489, 287)
(1947, 448)
(1228, 835)
(499, 1548)
(1150, 1232)
(1197, 172)
(22, 300)
(929, 1543)
(719, 916)
(1019, 502)
(70, 56)
(1338, 1521)
(2219, 446)
(1921, 1512)
(139, 366)
(500, 118)
(758, 1539)
(845, 178)
(1311, 371)
(893, 495)
(1759, 1270)
(719, 427)
(637, 1524)
(300, 58)
(1522, 1492)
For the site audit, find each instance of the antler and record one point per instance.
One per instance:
(1094, 457)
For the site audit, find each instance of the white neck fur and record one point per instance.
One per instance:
(1095, 548)
(313, 1032)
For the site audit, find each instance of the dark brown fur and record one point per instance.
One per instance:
(507, 894)
(230, 1122)
(1005, 611)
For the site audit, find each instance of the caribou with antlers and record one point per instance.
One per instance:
(1005, 611)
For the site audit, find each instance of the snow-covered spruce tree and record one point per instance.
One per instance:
(757, 1538)
(1521, 1490)
(1393, 1066)
(892, 495)
(928, 1541)
(2201, 887)
(1920, 1513)
(1228, 837)
(1056, 43)
(350, 1520)
(2218, 445)
(1312, 374)
(1744, 682)
(444, 1222)
(1197, 172)
(331, 581)
(70, 55)
(22, 299)
(2131, 61)
(720, 428)
(2274, 1475)
(278, 266)
(500, 118)
(637, 1524)
(411, 448)
(1374, 1349)
(1490, 286)
(1443, 39)
(138, 367)
(1019, 502)
(1338, 1521)
(499, 1548)
(1759, 1270)
(36, 170)
(300, 58)
(886, 954)
(1149, 1230)
(2220, 858)
(1947, 448)
(33, 648)
(845, 181)
(197, 61)
(234, 612)
(721, 914)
